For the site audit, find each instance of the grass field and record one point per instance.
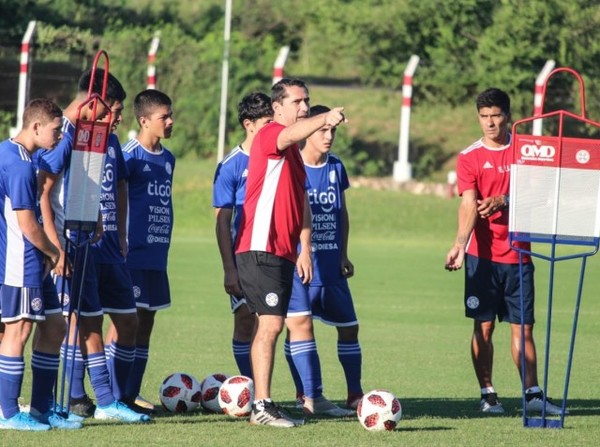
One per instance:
(413, 334)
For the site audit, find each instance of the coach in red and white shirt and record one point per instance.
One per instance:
(276, 216)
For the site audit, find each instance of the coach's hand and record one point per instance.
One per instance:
(455, 258)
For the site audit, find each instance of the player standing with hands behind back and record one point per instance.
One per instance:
(492, 283)
(276, 216)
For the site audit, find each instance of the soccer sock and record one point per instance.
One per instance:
(487, 390)
(134, 382)
(533, 390)
(12, 370)
(295, 376)
(77, 376)
(120, 368)
(99, 378)
(44, 369)
(241, 354)
(350, 356)
(306, 360)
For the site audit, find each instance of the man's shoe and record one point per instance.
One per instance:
(535, 402)
(72, 417)
(322, 406)
(55, 420)
(144, 403)
(132, 404)
(24, 422)
(491, 404)
(299, 401)
(118, 411)
(82, 406)
(353, 400)
(267, 413)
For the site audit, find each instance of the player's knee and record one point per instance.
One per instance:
(53, 329)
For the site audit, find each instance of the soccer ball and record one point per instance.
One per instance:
(210, 391)
(379, 410)
(180, 392)
(236, 396)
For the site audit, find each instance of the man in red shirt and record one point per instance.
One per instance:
(492, 283)
(276, 216)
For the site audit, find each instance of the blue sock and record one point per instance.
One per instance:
(241, 353)
(75, 370)
(295, 376)
(350, 357)
(134, 383)
(120, 368)
(96, 364)
(44, 369)
(12, 370)
(306, 360)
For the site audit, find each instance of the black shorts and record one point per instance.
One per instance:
(493, 290)
(266, 281)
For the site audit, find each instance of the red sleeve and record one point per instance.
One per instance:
(266, 140)
(465, 174)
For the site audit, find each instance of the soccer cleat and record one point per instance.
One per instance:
(353, 400)
(82, 406)
(118, 411)
(133, 405)
(324, 407)
(267, 413)
(299, 401)
(55, 420)
(535, 402)
(24, 422)
(491, 404)
(72, 417)
(144, 403)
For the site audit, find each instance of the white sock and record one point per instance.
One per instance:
(488, 390)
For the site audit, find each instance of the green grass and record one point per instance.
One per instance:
(414, 337)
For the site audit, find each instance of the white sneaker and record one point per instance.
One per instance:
(535, 402)
(267, 413)
(491, 404)
(322, 406)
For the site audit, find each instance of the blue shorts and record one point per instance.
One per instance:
(76, 291)
(300, 299)
(493, 290)
(115, 289)
(333, 304)
(28, 303)
(151, 289)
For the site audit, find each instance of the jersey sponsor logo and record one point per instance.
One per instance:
(146, 168)
(487, 165)
(582, 156)
(271, 299)
(472, 302)
(163, 192)
(137, 292)
(326, 199)
(153, 239)
(168, 168)
(108, 177)
(36, 304)
(159, 229)
(543, 152)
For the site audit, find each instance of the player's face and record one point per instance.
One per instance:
(322, 140)
(159, 123)
(260, 123)
(294, 106)
(494, 124)
(117, 115)
(49, 134)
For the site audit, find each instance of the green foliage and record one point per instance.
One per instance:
(7, 120)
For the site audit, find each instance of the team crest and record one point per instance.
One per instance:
(332, 176)
(472, 302)
(272, 299)
(65, 299)
(168, 168)
(36, 304)
(137, 292)
(111, 152)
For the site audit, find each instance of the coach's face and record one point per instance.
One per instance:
(294, 106)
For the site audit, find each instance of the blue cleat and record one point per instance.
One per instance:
(71, 417)
(24, 422)
(118, 411)
(55, 420)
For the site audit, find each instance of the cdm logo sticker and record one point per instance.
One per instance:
(541, 152)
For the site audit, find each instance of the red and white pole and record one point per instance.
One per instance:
(151, 84)
(402, 168)
(280, 63)
(537, 99)
(24, 79)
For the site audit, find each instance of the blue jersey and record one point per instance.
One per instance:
(21, 263)
(328, 181)
(108, 249)
(150, 219)
(229, 185)
(57, 162)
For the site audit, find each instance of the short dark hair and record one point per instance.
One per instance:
(279, 90)
(114, 89)
(42, 110)
(494, 97)
(318, 110)
(147, 100)
(254, 106)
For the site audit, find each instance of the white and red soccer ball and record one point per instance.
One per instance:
(236, 396)
(379, 410)
(210, 391)
(180, 393)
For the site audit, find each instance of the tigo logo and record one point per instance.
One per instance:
(535, 151)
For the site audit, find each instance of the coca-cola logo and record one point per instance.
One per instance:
(159, 229)
(324, 236)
